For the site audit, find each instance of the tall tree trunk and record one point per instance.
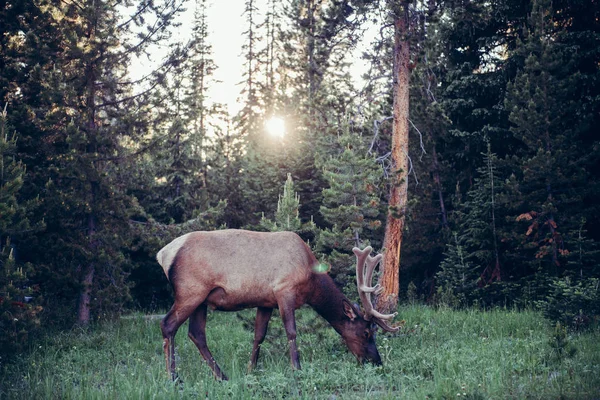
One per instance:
(438, 186)
(270, 57)
(312, 68)
(250, 52)
(85, 296)
(87, 281)
(390, 278)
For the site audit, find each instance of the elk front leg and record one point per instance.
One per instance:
(289, 322)
(197, 333)
(263, 315)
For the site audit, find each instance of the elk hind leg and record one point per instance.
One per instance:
(169, 326)
(197, 333)
(263, 315)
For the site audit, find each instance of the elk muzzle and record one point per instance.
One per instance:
(373, 355)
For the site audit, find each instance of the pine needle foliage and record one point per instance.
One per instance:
(19, 300)
(351, 206)
(473, 258)
(287, 215)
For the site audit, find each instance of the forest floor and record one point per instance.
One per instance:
(439, 354)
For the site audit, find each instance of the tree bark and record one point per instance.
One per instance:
(390, 279)
(85, 296)
(438, 186)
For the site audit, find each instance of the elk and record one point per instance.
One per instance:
(230, 270)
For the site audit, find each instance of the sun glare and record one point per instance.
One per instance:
(275, 127)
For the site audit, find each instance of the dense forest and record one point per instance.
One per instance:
(500, 159)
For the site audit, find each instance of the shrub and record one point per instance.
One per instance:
(19, 306)
(574, 303)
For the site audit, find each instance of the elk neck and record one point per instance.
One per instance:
(327, 300)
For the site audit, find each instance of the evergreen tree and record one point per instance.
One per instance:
(351, 207)
(19, 300)
(263, 157)
(179, 185)
(249, 117)
(307, 45)
(177, 164)
(81, 109)
(287, 215)
(456, 275)
(81, 199)
(271, 26)
(551, 176)
(226, 163)
(315, 91)
(473, 259)
(199, 110)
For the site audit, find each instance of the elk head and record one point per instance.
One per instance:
(359, 335)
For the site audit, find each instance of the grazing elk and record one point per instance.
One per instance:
(230, 270)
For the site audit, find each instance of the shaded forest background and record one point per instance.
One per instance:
(98, 172)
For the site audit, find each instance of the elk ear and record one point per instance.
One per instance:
(349, 310)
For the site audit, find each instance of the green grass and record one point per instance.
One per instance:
(440, 354)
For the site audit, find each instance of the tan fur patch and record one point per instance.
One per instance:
(167, 254)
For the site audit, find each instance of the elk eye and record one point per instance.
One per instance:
(367, 333)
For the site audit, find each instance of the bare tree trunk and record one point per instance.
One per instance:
(438, 186)
(85, 296)
(390, 279)
(312, 67)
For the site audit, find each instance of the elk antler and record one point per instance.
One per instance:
(364, 277)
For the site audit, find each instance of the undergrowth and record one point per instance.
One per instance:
(439, 354)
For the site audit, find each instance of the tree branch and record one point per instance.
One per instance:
(376, 124)
(420, 139)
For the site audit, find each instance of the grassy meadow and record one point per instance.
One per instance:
(439, 354)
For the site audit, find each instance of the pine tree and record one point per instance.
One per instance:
(456, 275)
(481, 225)
(473, 258)
(249, 117)
(351, 206)
(263, 157)
(287, 215)
(177, 182)
(81, 109)
(583, 254)
(177, 163)
(19, 300)
(199, 110)
(226, 162)
(307, 43)
(271, 26)
(551, 176)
